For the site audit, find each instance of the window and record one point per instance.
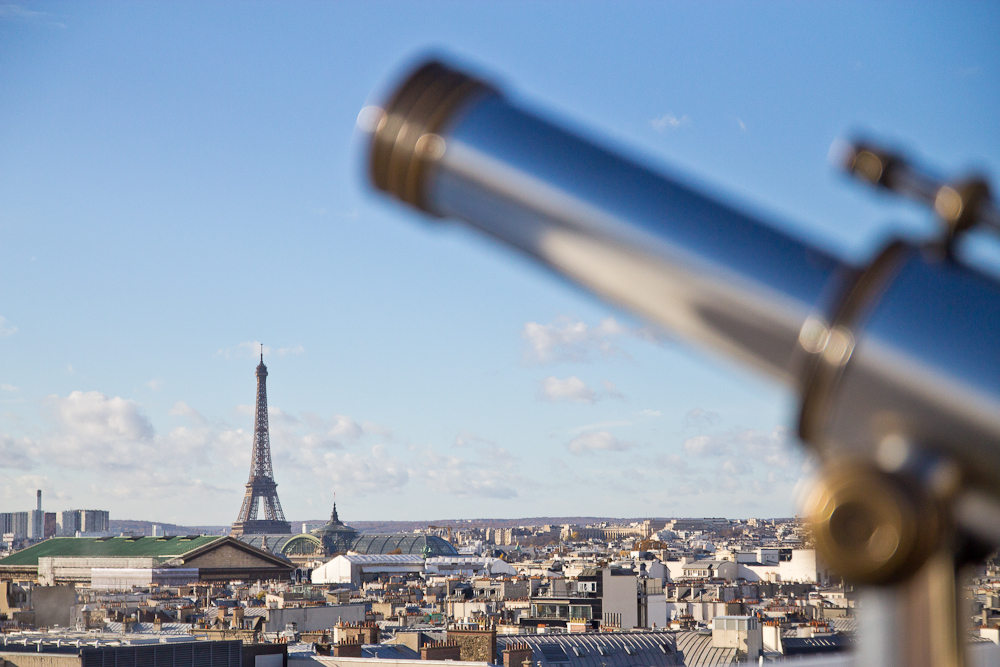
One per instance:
(553, 653)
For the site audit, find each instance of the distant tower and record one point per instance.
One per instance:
(261, 485)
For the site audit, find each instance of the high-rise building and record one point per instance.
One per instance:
(21, 523)
(94, 521)
(67, 523)
(37, 524)
(261, 487)
(71, 522)
(36, 519)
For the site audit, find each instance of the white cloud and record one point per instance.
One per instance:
(14, 453)
(686, 490)
(743, 448)
(774, 448)
(611, 390)
(252, 350)
(234, 446)
(371, 428)
(571, 389)
(333, 433)
(672, 463)
(182, 409)
(466, 438)
(706, 445)
(154, 384)
(16, 11)
(668, 122)
(278, 417)
(574, 430)
(343, 427)
(93, 417)
(701, 418)
(566, 340)
(597, 441)
(109, 440)
(494, 475)
(6, 329)
(737, 466)
(8, 387)
(743, 126)
(12, 12)
(363, 473)
(92, 431)
(19, 492)
(653, 414)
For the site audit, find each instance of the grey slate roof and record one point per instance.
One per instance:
(595, 649)
(697, 650)
(148, 628)
(847, 625)
(389, 652)
(813, 645)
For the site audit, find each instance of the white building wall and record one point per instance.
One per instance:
(314, 618)
(657, 570)
(351, 569)
(657, 614)
(467, 565)
(120, 579)
(675, 570)
(804, 567)
(336, 571)
(676, 610)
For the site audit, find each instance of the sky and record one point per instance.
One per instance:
(181, 182)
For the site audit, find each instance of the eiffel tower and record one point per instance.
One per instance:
(261, 485)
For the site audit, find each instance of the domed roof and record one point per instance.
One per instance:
(334, 525)
(403, 543)
(335, 534)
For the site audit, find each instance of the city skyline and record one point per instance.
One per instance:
(182, 183)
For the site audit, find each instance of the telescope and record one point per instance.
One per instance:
(896, 361)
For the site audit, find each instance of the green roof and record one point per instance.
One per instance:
(109, 547)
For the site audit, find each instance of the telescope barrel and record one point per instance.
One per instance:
(927, 370)
(700, 269)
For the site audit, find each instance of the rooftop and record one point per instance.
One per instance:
(109, 547)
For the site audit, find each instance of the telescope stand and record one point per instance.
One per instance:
(916, 623)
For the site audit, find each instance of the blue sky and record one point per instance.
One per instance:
(179, 181)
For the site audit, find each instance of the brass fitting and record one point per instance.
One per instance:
(870, 526)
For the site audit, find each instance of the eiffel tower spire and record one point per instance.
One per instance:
(261, 485)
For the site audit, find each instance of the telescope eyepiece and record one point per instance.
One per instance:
(406, 140)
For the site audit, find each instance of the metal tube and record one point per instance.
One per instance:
(929, 372)
(698, 267)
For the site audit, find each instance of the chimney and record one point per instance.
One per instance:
(38, 494)
(517, 655)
